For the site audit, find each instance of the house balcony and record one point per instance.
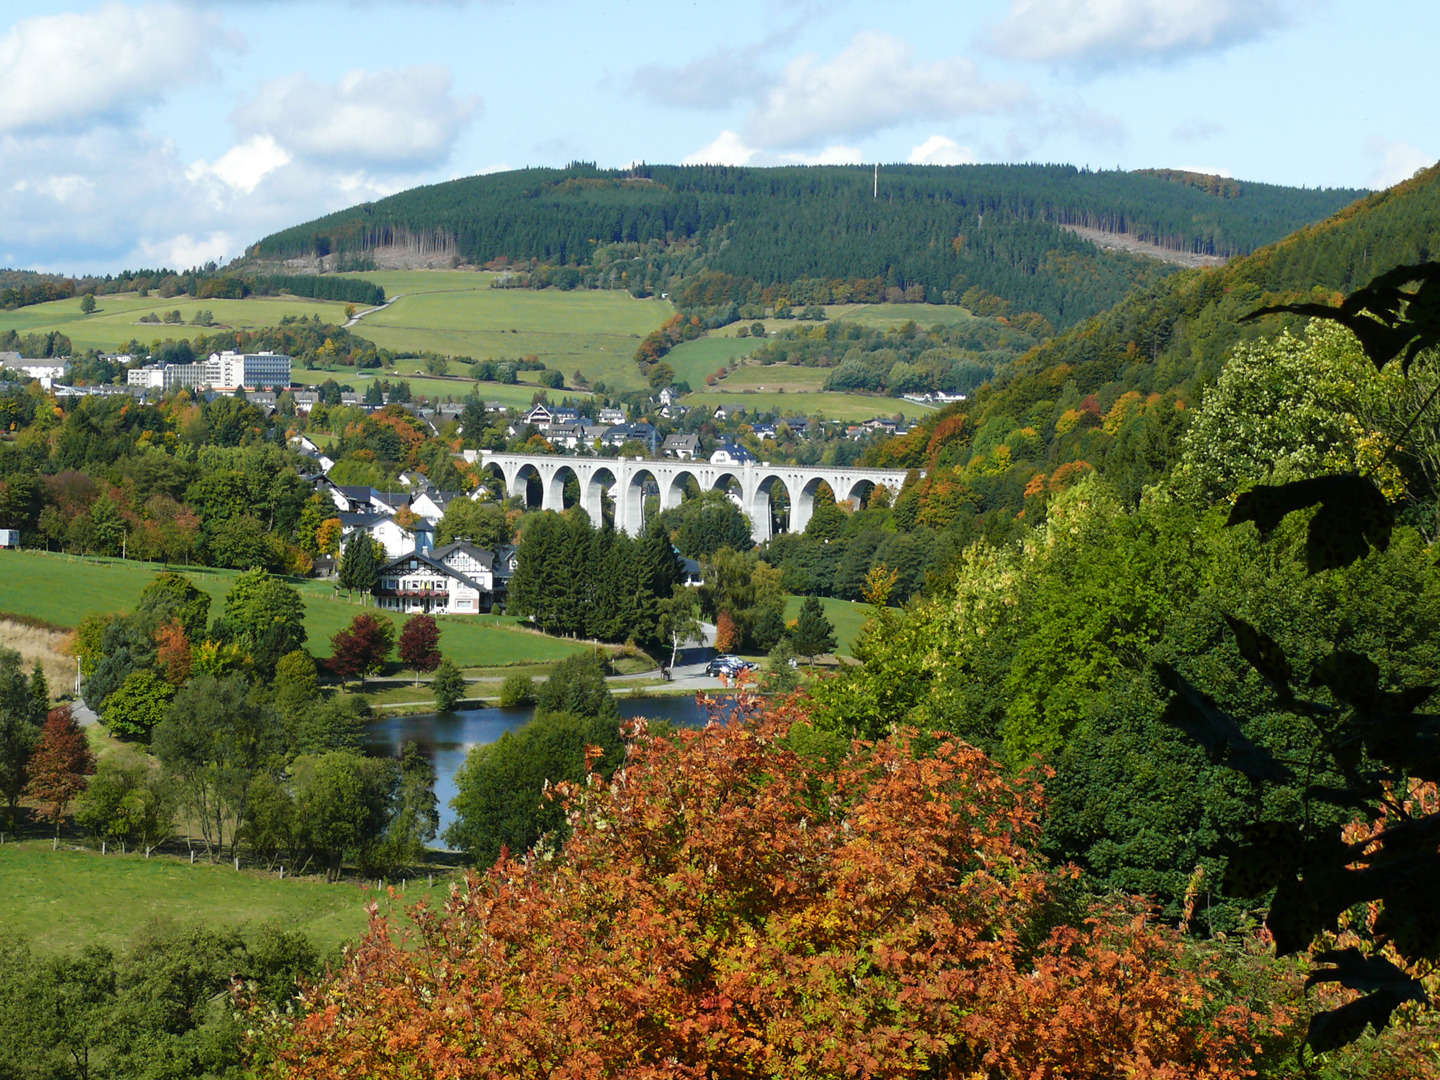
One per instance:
(439, 594)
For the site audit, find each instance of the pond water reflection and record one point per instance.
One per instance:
(445, 738)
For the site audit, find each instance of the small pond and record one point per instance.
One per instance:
(445, 738)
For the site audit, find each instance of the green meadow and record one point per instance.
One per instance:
(117, 318)
(847, 616)
(65, 899)
(457, 313)
(771, 377)
(693, 360)
(63, 589)
(816, 404)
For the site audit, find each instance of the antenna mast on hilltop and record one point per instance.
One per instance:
(876, 193)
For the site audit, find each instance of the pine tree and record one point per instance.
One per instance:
(359, 568)
(814, 633)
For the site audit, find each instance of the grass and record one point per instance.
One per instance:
(512, 395)
(830, 406)
(785, 378)
(882, 316)
(116, 319)
(61, 900)
(457, 313)
(63, 589)
(847, 616)
(693, 360)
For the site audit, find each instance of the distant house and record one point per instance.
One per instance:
(731, 453)
(610, 416)
(684, 447)
(639, 431)
(46, 372)
(458, 578)
(539, 416)
(395, 538)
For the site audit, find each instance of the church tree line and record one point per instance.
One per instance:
(936, 230)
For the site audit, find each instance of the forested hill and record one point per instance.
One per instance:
(820, 234)
(1112, 393)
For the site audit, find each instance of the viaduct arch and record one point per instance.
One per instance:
(626, 478)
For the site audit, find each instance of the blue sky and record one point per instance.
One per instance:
(140, 134)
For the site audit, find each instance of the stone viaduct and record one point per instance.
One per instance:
(626, 480)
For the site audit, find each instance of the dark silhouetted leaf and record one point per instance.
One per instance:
(1386, 987)
(1353, 516)
(1216, 730)
(1385, 318)
(1266, 853)
(1263, 654)
(1352, 677)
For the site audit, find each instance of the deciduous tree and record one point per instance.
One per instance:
(419, 645)
(60, 765)
(361, 648)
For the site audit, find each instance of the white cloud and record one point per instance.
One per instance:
(1394, 161)
(726, 149)
(1105, 33)
(72, 71)
(184, 251)
(242, 167)
(1206, 170)
(874, 83)
(397, 119)
(940, 150)
(831, 155)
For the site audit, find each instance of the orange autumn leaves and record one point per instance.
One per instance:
(728, 907)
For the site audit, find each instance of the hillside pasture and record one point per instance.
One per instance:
(886, 316)
(62, 900)
(821, 404)
(693, 360)
(117, 318)
(456, 313)
(786, 378)
(62, 589)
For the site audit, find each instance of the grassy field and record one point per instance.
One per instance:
(693, 360)
(61, 900)
(116, 320)
(63, 589)
(847, 616)
(882, 316)
(457, 313)
(771, 377)
(830, 406)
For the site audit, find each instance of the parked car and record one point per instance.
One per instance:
(729, 666)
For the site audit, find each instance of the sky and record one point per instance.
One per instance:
(143, 134)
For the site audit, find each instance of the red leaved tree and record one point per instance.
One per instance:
(727, 908)
(172, 653)
(420, 644)
(361, 648)
(60, 765)
(727, 636)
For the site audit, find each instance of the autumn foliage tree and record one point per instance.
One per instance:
(419, 645)
(727, 634)
(361, 648)
(60, 765)
(728, 907)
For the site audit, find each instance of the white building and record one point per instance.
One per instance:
(455, 579)
(251, 370)
(46, 372)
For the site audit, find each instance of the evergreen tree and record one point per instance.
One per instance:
(359, 567)
(814, 633)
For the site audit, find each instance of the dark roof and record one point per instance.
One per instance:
(485, 555)
(434, 565)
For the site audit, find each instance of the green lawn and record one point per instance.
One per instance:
(693, 360)
(116, 319)
(772, 377)
(881, 316)
(512, 395)
(847, 616)
(830, 406)
(61, 900)
(457, 313)
(63, 589)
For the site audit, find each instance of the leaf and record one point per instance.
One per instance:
(1386, 988)
(1216, 731)
(1352, 677)
(1353, 516)
(1263, 654)
(1382, 315)
(1266, 853)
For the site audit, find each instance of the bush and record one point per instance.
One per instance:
(517, 690)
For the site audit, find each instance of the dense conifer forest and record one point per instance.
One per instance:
(925, 232)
